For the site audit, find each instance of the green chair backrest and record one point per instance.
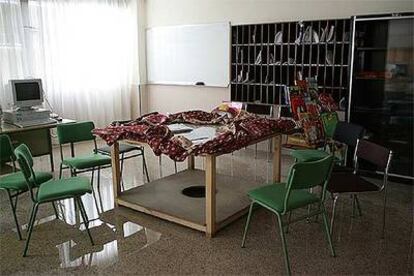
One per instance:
(329, 122)
(306, 175)
(6, 149)
(25, 160)
(27, 153)
(75, 132)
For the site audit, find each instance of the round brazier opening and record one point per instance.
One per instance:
(195, 191)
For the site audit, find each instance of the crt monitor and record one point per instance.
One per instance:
(27, 92)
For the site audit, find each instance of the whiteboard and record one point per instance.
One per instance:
(185, 55)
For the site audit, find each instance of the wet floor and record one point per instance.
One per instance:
(127, 242)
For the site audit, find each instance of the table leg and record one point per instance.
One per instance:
(190, 162)
(210, 195)
(52, 164)
(116, 173)
(277, 151)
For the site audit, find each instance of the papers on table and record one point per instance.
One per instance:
(200, 135)
(197, 135)
(179, 128)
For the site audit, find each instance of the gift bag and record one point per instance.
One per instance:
(329, 121)
(313, 130)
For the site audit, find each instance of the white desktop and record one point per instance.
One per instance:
(27, 95)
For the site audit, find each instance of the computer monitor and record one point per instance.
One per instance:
(27, 93)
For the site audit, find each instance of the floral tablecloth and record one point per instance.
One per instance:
(234, 130)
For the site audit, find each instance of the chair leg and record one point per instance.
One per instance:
(99, 188)
(60, 209)
(55, 210)
(246, 228)
(32, 220)
(78, 201)
(13, 208)
(144, 167)
(60, 170)
(309, 208)
(288, 223)
(85, 218)
(282, 235)
(73, 172)
(175, 167)
(383, 214)
(93, 192)
(358, 205)
(335, 199)
(327, 230)
(353, 205)
(99, 181)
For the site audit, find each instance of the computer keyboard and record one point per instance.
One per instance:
(36, 122)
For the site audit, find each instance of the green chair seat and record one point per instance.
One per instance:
(17, 182)
(63, 188)
(87, 161)
(274, 195)
(308, 155)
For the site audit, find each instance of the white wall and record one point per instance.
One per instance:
(164, 98)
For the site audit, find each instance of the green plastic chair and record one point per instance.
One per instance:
(15, 183)
(6, 151)
(51, 191)
(329, 122)
(282, 198)
(75, 133)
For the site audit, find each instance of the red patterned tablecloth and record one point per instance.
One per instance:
(234, 130)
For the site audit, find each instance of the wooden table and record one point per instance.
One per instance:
(139, 199)
(37, 138)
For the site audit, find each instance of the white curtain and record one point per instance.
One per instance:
(86, 53)
(12, 48)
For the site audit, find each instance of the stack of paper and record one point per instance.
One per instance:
(179, 128)
(201, 134)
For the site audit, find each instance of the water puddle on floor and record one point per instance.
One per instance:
(72, 254)
(109, 254)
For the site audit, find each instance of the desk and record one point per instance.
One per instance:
(221, 206)
(37, 138)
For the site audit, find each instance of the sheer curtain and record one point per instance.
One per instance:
(12, 48)
(85, 51)
(90, 57)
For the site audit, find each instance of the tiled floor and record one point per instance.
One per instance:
(128, 242)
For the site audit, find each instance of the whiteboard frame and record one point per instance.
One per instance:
(178, 83)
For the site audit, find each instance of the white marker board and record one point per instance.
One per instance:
(185, 55)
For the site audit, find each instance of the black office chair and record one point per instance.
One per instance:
(124, 149)
(346, 134)
(353, 183)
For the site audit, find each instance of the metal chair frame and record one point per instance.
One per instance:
(141, 151)
(355, 200)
